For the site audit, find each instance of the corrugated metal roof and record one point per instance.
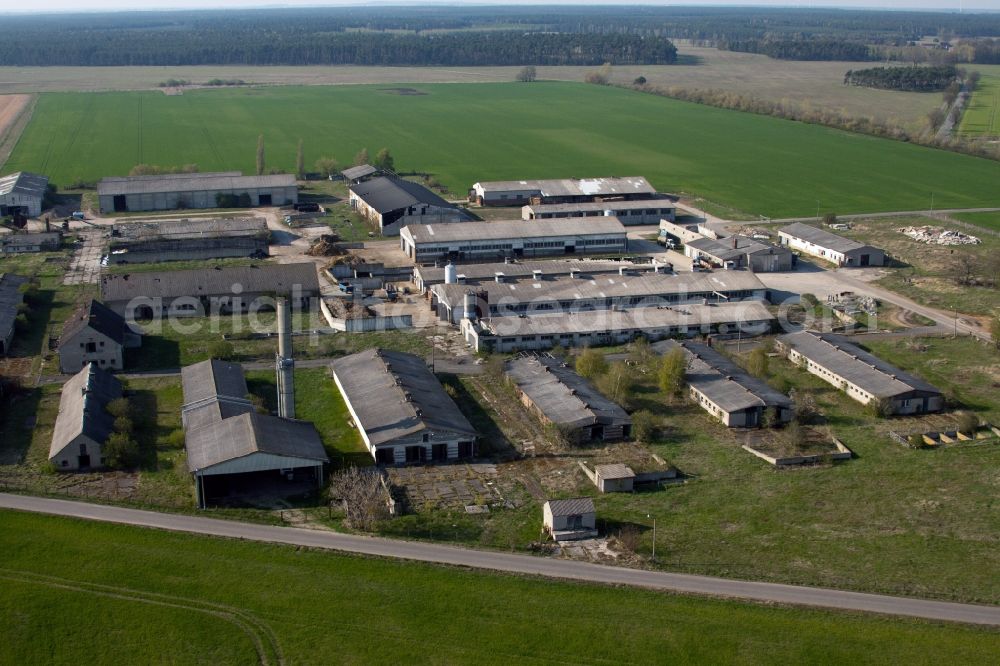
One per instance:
(127, 232)
(642, 204)
(562, 187)
(32, 238)
(512, 230)
(354, 173)
(563, 396)
(525, 269)
(646, 285)
(571, 507)
(24, 184)
(870, 373)
(191, 182)
(255, 279)
(388, 194)
(726, 384)
(97, 316)
(610, 321)
(732, 247)
(213, 379)
(248, 433)
(614, 471)
(396, 395)
(821, 237)
(82, 407)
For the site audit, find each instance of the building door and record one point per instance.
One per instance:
(415, 454)
(465, 449)
(865, 260)
(385, 456)
(83, 460)
(120, 203)
(265, 200)
(439, 452)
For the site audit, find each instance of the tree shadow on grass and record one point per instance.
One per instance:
(146, 429)
(29, 342)
(492, 442)
(17, 421)
(156, 353)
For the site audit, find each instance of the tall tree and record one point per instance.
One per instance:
(384, 161)
(300, 163)
(361, 158)
(591, 363)
(326, 166)
(527, 74)
(260, 155)
(672, 368)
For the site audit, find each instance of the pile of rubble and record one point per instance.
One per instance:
(326, 246)
(938, 236)
(343, 308)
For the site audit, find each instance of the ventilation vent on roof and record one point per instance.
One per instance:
(418, 412)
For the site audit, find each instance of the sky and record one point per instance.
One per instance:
(19, 6)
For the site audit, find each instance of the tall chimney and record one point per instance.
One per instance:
(284, 363)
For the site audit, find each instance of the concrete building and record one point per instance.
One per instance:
(18, 243)
(401, 409)
(570, 519)
(494, 241)
(199, 292)
(95, 334)
(503, 298)
(860, 375)
(10, 300)
(83, 424)
(230, 189)
(559, 396)
(392, 203)
(597, 328)
(629, 213)
(561, 191)
(426, 277)
(614, 478)
(831, 247)
(22, 193)
(676, 233)
(729, 393)
(187, 240)
(233, 451)
(358, 174)
(736, 252)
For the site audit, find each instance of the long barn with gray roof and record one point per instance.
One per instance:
(862, 376)
(560, 191)
(401, 409)
(830, 247)
(84, 424)
(195, 190)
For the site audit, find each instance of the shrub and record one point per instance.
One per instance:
(591, 363)
(21, 323)
(968, 423)
(645, 426)
(671, 372)
(916, 441)
(118, 408)
(757, 363)
(123, 425)
(222, 350)
(121, 451)
(806, 410)
(879, 408)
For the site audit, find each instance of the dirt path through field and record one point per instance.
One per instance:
(13, 119)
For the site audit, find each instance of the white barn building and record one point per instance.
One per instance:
(195, 190)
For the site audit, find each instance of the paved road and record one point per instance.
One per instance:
(520, 564)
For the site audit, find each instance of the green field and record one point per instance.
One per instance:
(135, 601)
(982, 117)
(985, 220)
(467, 132)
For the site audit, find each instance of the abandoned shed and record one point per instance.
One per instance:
(392, 203)
(233, 451)
(10, 300)
(560, 191)
(862, 376)
(831, 247)
(558, 396)
(494, 241)
(401, 410)
(185, 240)
(729, 393)
(230, 189)
(95, 333)
(202, 291)
(570, 519)
(22, 193)
(41, 241)
(84, 424)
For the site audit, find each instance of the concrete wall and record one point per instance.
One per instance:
(68, 459)
(74, 354)
(188, 250)
(15, 200)
(280, 196)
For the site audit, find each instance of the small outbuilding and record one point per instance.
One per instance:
(358, 174)
(570, 519)
(84, 424)
(95, 334)
(741, 252)
(614, 478)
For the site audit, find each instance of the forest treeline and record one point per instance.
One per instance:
(488, 35)
(911, 78)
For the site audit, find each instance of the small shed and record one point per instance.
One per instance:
(570, 519)
(614, 478)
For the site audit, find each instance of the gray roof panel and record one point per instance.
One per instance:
(589, 187)
(97, 316)
(191, 182)
(387, 194)
(82, 407)
(513, 230)
(571, 507)
(24, 184)
(821, 237)
(248, 433)
(254, 279)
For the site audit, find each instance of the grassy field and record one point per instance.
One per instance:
(982, 117)
(985, 220)
(312, 607)
(551, 130)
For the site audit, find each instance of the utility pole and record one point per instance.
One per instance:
(654, 535)
(817, 210)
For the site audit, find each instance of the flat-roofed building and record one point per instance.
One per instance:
(503, 297)
(229, 189)
(493, 241)
(401, 410)
(559, 396)
(862, 376)
(559, 191)
(234, 450)
(198, 292)
(392, 203)
(831, 247)
(629, 213)
(42, 241)
(22, 193)
(729, 393)
(187, 240)
(84, 424)
(426, 277)
(10, 300)
(597, 328)
(740, 252)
